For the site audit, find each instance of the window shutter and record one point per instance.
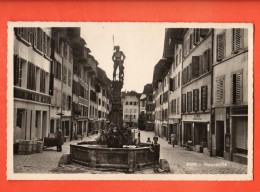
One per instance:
(44, 43)
(196, 36)
(195, 66)
(179, 79)
(189, 101)
(220, 46)
(236, 40)
(35, 37)
(204, 32)
(183, 105)
(239, 90)
(16, 70)
(220, 90)
(204, 98)
(189, 72)
(191, 42)
(196, 100)
(171, 84)
(178, 105)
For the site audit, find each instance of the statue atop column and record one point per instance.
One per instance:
(118, 58)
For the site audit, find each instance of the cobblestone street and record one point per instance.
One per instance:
(181, 161)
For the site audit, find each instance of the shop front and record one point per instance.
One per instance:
(195, 132)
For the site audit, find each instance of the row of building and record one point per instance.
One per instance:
(200, 91)
(57, 84)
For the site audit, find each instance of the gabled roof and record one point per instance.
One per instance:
(148, 89)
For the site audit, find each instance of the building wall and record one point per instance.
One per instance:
(130, 110)
(31, 99)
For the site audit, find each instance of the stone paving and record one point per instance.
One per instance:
(181, 161)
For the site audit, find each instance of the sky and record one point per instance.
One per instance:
(142, 44)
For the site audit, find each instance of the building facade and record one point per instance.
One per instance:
(149, 107)
(229, 128)
(32, 95)
(196, 88)
(130, 102)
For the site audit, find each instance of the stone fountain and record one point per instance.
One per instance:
(114, 147)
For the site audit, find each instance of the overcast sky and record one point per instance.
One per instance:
(141, 43)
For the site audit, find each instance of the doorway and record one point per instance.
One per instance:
(220, 138)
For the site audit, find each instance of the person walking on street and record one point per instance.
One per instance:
(155, 148)
(59, 138)
(173, 137)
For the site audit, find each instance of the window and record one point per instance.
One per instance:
(204, 98)
(220, 92)
(174, 106)
(40, 39)
(126, 103)
(31, 77)
(18, 71)
(178, 105)
(196, 100)
(189, 101)
(179, 79)
(24, 34)
(206, 60)
(42, 80)
(70, 55)
(65, 50)
(69, 102)
(237, 40)
(183, 105)
(64, 100)
(236, 87)
(19, 117)
(196, 36)
(131, 103)
(64, 74)
(195, 66)
(220, 46)
(57, 70)
(191, 42)
(69, 77)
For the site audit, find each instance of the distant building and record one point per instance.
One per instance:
(229, 128)
(149, 107)
(130, 102)
(32, 88)
(160, 92)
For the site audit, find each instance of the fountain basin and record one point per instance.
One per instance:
(97, 156)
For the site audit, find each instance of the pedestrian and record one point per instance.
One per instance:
(59, 138)
(155, 148)
(173, 138)
(148, 140)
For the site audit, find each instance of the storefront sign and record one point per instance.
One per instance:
(204, 98)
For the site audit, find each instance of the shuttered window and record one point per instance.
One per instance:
(69, 77)
(207, 60)
(237, 40)
(204, 98)
(196, 100)
(179, 79)
(18, 71)
(195, 66)
(220, 46)
(178, 105)
(191, 42)
(171, 84)
(42, 80)
(174, 106)
(189, 72)
(236, 87)
(220, 92)
(183, 103)
(64, 70)
(189, 101)
(31, 76)
(24, 33)
(64, 101)
(196, 36)
(40, 39)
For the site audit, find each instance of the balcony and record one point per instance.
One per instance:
(29, 95)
